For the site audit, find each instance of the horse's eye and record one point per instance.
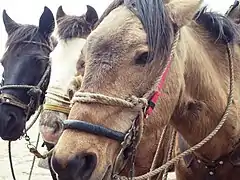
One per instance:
(142, 59)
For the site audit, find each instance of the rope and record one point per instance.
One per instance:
(57, 108)
(206, 139)
(10, 160)
(158, 149)
(34, 158)
(35, 119)
(87, 97)
(62, 101)
(171, 148)
(57, 96)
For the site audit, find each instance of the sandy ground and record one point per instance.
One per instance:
(22, 160)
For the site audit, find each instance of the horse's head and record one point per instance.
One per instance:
(124, 59)
(72, 32)
(26, 72)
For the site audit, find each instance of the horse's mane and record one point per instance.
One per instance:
(155, 21)
(112, 6)
(73, 27)
(22, 33)
(220, 27)
(158, 26)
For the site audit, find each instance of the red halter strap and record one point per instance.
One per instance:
(153, 100)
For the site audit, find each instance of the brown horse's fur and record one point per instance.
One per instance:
(193, 101)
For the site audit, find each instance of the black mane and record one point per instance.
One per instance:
(220, 27)
(112, 6)
(157, 25)
(26, 33)
(155, 21)
(73, 26)
(160, 30)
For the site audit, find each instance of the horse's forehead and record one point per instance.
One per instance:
(121, 21)
(118, 33)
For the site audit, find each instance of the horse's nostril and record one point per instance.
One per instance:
(58, 126)
(80, 166)
(11, 120)
(88, 164)
(85, 164)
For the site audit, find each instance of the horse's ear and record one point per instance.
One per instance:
(60, 13)
(91, 15)
(234, 12)
(182, 12)
(46, 22)
(10, 25)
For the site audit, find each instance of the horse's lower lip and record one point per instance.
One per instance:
(10, 138)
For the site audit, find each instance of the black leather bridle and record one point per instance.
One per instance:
(34, 92)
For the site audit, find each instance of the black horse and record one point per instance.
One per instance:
(26, 72)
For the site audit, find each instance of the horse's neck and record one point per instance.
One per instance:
(204, 97)
(64, 59)
(159, 118)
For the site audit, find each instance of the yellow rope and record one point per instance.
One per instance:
(52, 107)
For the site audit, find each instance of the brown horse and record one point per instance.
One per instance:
(128, 52)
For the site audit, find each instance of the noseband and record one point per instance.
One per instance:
(34, 92)
(60, 101)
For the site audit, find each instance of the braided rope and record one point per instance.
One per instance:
(206, 139)
(169, 156)
(87, 97)
(158, 149)
(35, 118)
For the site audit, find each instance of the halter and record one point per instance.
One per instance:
(61, 102)
(34, 92)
